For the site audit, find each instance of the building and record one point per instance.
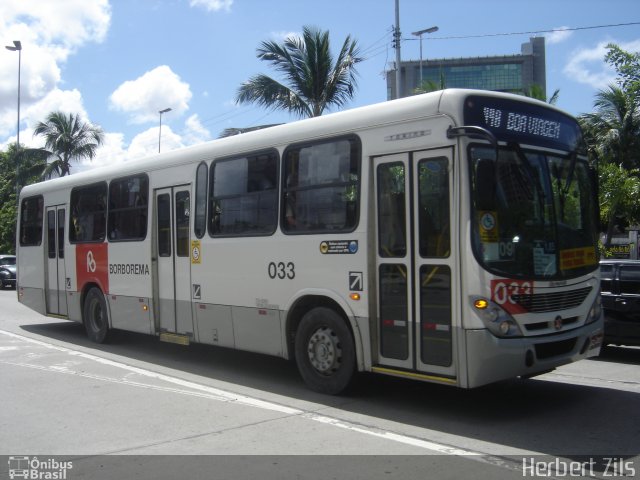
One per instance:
(509, 73)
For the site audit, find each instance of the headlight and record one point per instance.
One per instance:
(499, 322)
(595, 311)
(4, 274)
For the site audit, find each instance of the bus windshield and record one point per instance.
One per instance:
(534, 213)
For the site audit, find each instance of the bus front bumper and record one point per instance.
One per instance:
(491, 359)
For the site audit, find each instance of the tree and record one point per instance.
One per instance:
(67, 138)
(612, 130)
(536, 91)
(31, 168)
(619, 191)
(628, 67)
(314, 80)
(431, 86)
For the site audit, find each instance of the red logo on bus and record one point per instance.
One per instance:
(505, 292)
(92, 265)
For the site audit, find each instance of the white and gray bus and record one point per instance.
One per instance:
(447, 237)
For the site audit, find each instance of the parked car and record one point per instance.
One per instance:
(620, 293)
(7, 271)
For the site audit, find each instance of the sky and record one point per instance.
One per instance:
(117, 63)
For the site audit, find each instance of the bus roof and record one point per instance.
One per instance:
(389, 112)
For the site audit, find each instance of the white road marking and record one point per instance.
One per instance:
(225, 396)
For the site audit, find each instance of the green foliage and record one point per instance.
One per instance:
(67, 138)
(619, 193)
(431, 86)
(30, 171)
(612, 130)
(8, 201)
(536, 91)
(313, 81)
(628, 67)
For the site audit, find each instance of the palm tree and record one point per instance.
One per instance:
(612, 131)
(314, 81)
(67, 138)
(537, 92)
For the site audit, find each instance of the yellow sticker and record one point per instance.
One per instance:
(577, 257)
(488, 222)
(196, 253)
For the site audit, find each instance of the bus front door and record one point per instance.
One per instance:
(56, 281)
(415, 267)
(173, 260)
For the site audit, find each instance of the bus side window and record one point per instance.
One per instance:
(31, 221)
(88, 207)
(128, 208)
(322, 187)
(200, 220)
(244, 198)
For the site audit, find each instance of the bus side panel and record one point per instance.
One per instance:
(214, 325)
(129, 280)
(31, 278)
(257, 330)
(130, 313)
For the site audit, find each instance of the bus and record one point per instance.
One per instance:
(448, 237)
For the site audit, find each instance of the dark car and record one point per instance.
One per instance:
(7, 271)
(621, 301)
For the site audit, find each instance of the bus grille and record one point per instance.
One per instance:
(549, 302)
(554, 349)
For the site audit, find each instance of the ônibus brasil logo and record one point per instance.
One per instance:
(34, 468)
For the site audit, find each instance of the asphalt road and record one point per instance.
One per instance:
(138, 408)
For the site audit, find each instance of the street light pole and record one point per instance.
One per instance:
(160, 132)
(17, 47)
(396, 36)
(419, 34)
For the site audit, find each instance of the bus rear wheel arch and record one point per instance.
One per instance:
(96, 315)
(324, 351)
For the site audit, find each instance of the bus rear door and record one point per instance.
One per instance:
(56, 281)
(415, 267)
(173, 260)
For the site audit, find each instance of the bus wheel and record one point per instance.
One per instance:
(96, 318)
(324, 351)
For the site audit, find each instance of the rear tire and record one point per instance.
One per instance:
(325, 352)
(96, 316)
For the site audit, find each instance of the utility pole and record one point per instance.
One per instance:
(396, 36)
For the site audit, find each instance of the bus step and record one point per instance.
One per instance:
(174, 338)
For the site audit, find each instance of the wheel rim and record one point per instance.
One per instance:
(324, 351)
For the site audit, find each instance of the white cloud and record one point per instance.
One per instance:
(67, 101)
(111, 152)
(156, 90)
(195, 132)
(145, 144)
(283, 35)
(559, 34)
(212, 5)
(49, 32)
(587, 65)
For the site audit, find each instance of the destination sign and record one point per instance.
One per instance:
(522, 122)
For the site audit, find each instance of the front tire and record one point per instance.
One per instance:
(325, 352)
(96, 316)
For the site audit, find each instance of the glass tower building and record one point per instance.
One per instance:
(509, 73)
